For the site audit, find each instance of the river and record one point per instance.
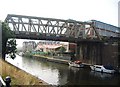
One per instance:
(61, 74)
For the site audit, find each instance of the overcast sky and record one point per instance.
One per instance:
(80, 10)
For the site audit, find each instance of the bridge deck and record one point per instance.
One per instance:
(31, 27)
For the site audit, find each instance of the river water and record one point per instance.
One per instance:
(61, 74)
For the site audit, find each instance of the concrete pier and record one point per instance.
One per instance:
(105, 53)
(89, 53)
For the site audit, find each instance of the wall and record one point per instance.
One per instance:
(89, 52)
(72, 47)
(110, 54)
(98, 53)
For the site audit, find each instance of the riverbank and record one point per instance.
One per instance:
(56, 60)
(18, 76)
(51, 59)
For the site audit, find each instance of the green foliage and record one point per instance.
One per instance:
(27, 54)
(62, 49)
(11, 48)
(8, 47)
(6, 32)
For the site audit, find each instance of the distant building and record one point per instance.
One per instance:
(29, 46)
(72, 47)
(46, 46)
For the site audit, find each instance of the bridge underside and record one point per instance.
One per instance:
(34, 36)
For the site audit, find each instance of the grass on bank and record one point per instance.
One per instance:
(18, 76)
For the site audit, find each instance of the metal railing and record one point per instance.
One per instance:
(2, 83)
(6, 82)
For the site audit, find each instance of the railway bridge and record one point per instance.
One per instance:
(97, 42)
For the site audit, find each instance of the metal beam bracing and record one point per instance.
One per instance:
(30, 25)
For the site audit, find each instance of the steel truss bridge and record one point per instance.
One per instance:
(30, 27)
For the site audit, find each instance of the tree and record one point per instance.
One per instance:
(62, 50)
(8, 47)
(11, 48)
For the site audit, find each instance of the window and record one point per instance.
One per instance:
(98, 67)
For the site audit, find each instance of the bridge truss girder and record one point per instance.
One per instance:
(48, 26)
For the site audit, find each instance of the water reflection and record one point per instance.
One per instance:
(42, 70)
(60, 74)
(101, 75)
(17, 61)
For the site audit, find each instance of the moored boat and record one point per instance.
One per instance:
(101, 68)
(77, 64)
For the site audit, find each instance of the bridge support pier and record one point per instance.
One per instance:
(110, 54)
(89, 52)
(119, 54)
(98, 53)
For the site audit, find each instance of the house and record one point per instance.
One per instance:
(47, 47)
